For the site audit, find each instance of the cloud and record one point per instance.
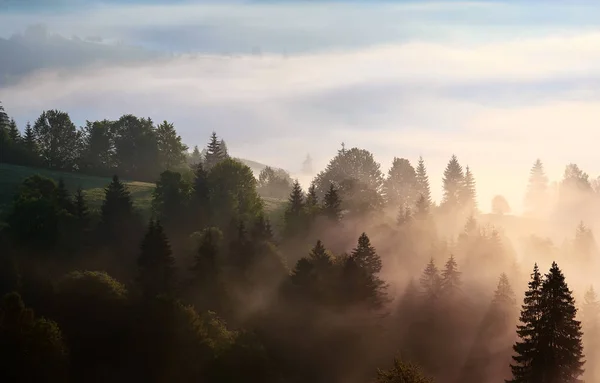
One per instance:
(497, 104)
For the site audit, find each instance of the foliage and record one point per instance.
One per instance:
(402, 372)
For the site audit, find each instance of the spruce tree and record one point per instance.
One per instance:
(261, 230)
(214, 153)
(332, 204)
(430, 281)
(117, 204)
(4, 120)
(366, 256)
(535, 197)
(422, 184)
(156, 262)
(550, 349)
(468, 193)
(404, 216)
(29, 142)
(453, 182)
(311, 197)
(294, 217)
(528, 362)
(223, 147)
(560, 333)
(13, 132)
(450, 284)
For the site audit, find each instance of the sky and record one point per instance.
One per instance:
(499, 84)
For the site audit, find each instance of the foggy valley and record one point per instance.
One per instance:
(400, 192)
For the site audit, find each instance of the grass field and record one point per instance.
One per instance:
(11, 176)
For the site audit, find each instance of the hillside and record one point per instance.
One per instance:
(12, 175)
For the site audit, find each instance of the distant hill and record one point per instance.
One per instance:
(12, 175)
(256, 167)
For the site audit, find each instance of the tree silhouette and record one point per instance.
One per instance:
(156, 262)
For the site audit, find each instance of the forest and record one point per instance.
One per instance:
(363, 278)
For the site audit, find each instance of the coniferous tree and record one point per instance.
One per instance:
(535, 198)
(195, 157)
(332, 204)
(13, 132)
(117, 205)
(201, 196)
(430, 281)
(223, 147)
(294, 217)
(550, 349)
(311, 197)
(450, 283)
(4, 120)
(366, 256)
(423, 182)
(214, 153)
(527, 361)
(170, 148)
(206, 271)
(261, 231)
(468, 194)
(156, 262)
(453, 184)
(405, 216)
(29, 142)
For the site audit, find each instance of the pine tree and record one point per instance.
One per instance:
(535, 198)
(332, 204)
(527, 361)
(430, 281)
(29, 141)
(214, 153)
(453, 182)
(366, 256)
(4, 120)
(311, 197)
(13, 132)
(450, 283)
(117, 204)
(550, 348)
(422, 184)
(468, 193)
(560, 333)
(294, 217)
(156, 262)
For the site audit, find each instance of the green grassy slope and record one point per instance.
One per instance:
(11, 176)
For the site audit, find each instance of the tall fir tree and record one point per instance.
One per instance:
(13, 132)
(156, 262)
(422, 184)
(468, 194)
(453, 184)
(223, 147)
(537, 189)
(366, 256)
(405, 216)
(450, 285)
(29, 141)
(295, 217)
(261, 230)
(332, 204)
(550, 349)
(201, 196)
(527, 361)
(430, 281)
(421, 208)
(117, 204)
(214, 153)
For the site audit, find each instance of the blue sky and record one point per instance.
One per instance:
(497, 83)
